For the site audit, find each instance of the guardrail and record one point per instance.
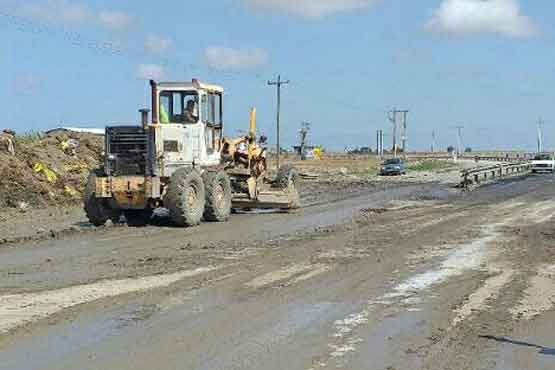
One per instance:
(477, 158)
(478, 174)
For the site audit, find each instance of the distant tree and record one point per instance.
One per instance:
(468, 150)
(450, 149)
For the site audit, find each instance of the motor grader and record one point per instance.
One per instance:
(181, 161)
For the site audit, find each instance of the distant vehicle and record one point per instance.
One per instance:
(363, 150)
(543, 162)
(393, 167)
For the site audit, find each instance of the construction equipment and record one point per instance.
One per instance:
(182, 162)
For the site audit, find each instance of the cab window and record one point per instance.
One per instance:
(212, 109)
(179, 107)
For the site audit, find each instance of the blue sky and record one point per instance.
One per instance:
(486, 65)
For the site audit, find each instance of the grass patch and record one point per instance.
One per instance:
(430, 165)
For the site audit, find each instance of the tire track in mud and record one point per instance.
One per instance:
(477, 255)
(539, 296)
(20, 309)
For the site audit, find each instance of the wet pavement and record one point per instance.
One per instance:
(404, 278)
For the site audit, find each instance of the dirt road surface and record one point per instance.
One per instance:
(405, 276)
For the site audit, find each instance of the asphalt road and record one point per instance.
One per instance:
(414, 277)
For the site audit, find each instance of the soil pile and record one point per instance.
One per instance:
(47, 170)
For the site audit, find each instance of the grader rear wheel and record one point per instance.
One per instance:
(185, 197)
(97, 210)
(218, 196)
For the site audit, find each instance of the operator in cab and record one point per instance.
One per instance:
(189, 114)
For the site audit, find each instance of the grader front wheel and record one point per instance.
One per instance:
(97, 210)
(185, 197)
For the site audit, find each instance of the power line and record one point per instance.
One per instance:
(278, 84)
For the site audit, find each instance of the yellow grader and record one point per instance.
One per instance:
(181, 161)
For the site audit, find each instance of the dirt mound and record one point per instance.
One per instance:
(48, 170)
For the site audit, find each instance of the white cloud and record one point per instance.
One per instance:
(115, 20)
(26, 84)
(59, 11)
(482, 16)
(150, 72)
(157, 45)
(309, 8)
(228, 59)
(72, 13)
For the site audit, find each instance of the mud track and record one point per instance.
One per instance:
(408, 277)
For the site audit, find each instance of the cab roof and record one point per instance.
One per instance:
(192, 85)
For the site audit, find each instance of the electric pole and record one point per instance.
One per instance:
(404, 133)
(540, 135)
(278, 84)
(303, 133)
(393, 119)
(379, 143)
(459, 139)
(433, 141)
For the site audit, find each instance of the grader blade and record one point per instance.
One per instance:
(266, 200)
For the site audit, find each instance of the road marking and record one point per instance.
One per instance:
(19, 309)
(539, 296)
(477, 301)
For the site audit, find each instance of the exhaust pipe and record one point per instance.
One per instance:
(144, 117)
(154, 88)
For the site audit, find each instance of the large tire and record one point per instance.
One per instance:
(285, 176)
(218, 196)
(288, 180)
(97, 209)
(185, 197)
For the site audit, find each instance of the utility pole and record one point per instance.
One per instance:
(459, 139)
(404, 133)
(540, 135)
(393, 119)
(378, 150)
(433, 141)
(303, 133)
(278, 84)
(379, 143)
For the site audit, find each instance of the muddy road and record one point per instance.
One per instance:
(403, 277)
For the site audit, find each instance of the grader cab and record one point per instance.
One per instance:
(181, 161)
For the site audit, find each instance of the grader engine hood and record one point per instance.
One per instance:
(127, 151)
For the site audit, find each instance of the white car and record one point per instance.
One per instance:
(543, 162)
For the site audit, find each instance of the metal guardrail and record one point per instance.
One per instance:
(489, 158)
(479, 174)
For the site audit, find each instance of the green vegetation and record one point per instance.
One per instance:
(430, 165)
